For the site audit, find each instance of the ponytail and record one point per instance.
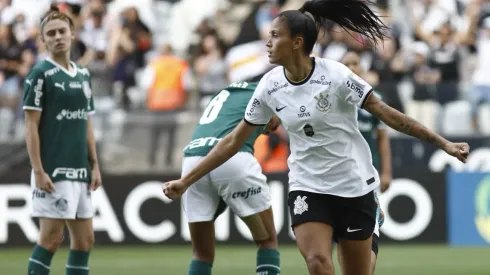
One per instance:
(354, 15)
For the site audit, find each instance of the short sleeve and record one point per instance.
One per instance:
(353, 89)
(34, 90)
(258, 112)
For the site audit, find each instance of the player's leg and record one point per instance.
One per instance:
(374, 254)
(202, 205)
(355, 229)
(50, 237)
(244, 188)
(261, 226)
(375, 238)
(81, 231)
(81, 242)
(312, 220)
(52, 210)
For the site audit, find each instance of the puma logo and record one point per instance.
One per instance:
(61, 86)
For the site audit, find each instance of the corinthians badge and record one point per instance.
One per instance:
(322, 104)
(88, 93)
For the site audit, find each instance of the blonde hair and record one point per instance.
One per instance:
(53, 14)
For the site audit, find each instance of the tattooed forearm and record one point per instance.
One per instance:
(401, 122)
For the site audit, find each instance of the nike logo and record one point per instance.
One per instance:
(279, 109)
(61, 86)
(29, 82)
(353, 230)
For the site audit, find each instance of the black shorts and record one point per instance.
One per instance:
(351, 218)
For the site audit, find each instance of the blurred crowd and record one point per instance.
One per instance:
(434, 66)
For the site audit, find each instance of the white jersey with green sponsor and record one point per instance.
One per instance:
(65, 100)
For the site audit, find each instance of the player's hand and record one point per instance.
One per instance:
(96, 179)
(43, 182)
(385, 179)
(458, 150)
(174, 189)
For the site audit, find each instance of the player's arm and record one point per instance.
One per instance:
(34, 94)
(32, 119)
(409, 126)
(223, 151)
(92, 151)
(356, 91)
(384, 150)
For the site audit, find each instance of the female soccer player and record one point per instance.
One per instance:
(238, 183)
(57, 102)
(331, 173)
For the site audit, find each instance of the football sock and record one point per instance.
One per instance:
(268, 262)
(200, 268)
(40, 261)
(77, 263)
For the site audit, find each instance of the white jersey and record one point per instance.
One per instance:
(328, 153)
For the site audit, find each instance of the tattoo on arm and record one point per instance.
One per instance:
(401, 122)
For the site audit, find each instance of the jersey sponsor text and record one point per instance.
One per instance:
(201, 142)
(71, 173)
(245, 194)
(71, 115)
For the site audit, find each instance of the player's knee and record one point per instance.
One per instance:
(51, 240)
(319, 264)
(270, 242)
(84, 243)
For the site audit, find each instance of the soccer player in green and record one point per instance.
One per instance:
(58, 102)
(238, 183)
(374, 132)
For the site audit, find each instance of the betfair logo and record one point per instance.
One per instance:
(70, 115)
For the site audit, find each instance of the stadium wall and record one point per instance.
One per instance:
(425, 204)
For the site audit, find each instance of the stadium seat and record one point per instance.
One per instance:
(484, 119)
(456, 119)
(425, 112)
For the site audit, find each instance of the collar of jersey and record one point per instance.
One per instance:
(304, 80)
(74, 66)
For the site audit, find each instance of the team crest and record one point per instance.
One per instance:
(322, 104)
(300, 205)
(61, 205)
(88, 93)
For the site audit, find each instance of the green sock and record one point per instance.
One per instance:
(268, 262)
(39, 261)
(77, 263)
(200, 268)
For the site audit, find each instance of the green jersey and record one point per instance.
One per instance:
(368, 124)
(222, 114)
(65, 100)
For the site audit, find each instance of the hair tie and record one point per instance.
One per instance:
(310, 15)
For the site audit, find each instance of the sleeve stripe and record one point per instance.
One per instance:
(366, 97)
(253, 124)
(91, 112)
(32, 108)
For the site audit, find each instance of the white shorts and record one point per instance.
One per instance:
(238, 183)
(71, 200)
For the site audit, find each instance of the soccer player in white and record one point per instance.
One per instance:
(331, 174)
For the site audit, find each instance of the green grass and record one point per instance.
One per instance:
(172, 260)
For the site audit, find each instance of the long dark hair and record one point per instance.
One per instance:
(354, 15)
